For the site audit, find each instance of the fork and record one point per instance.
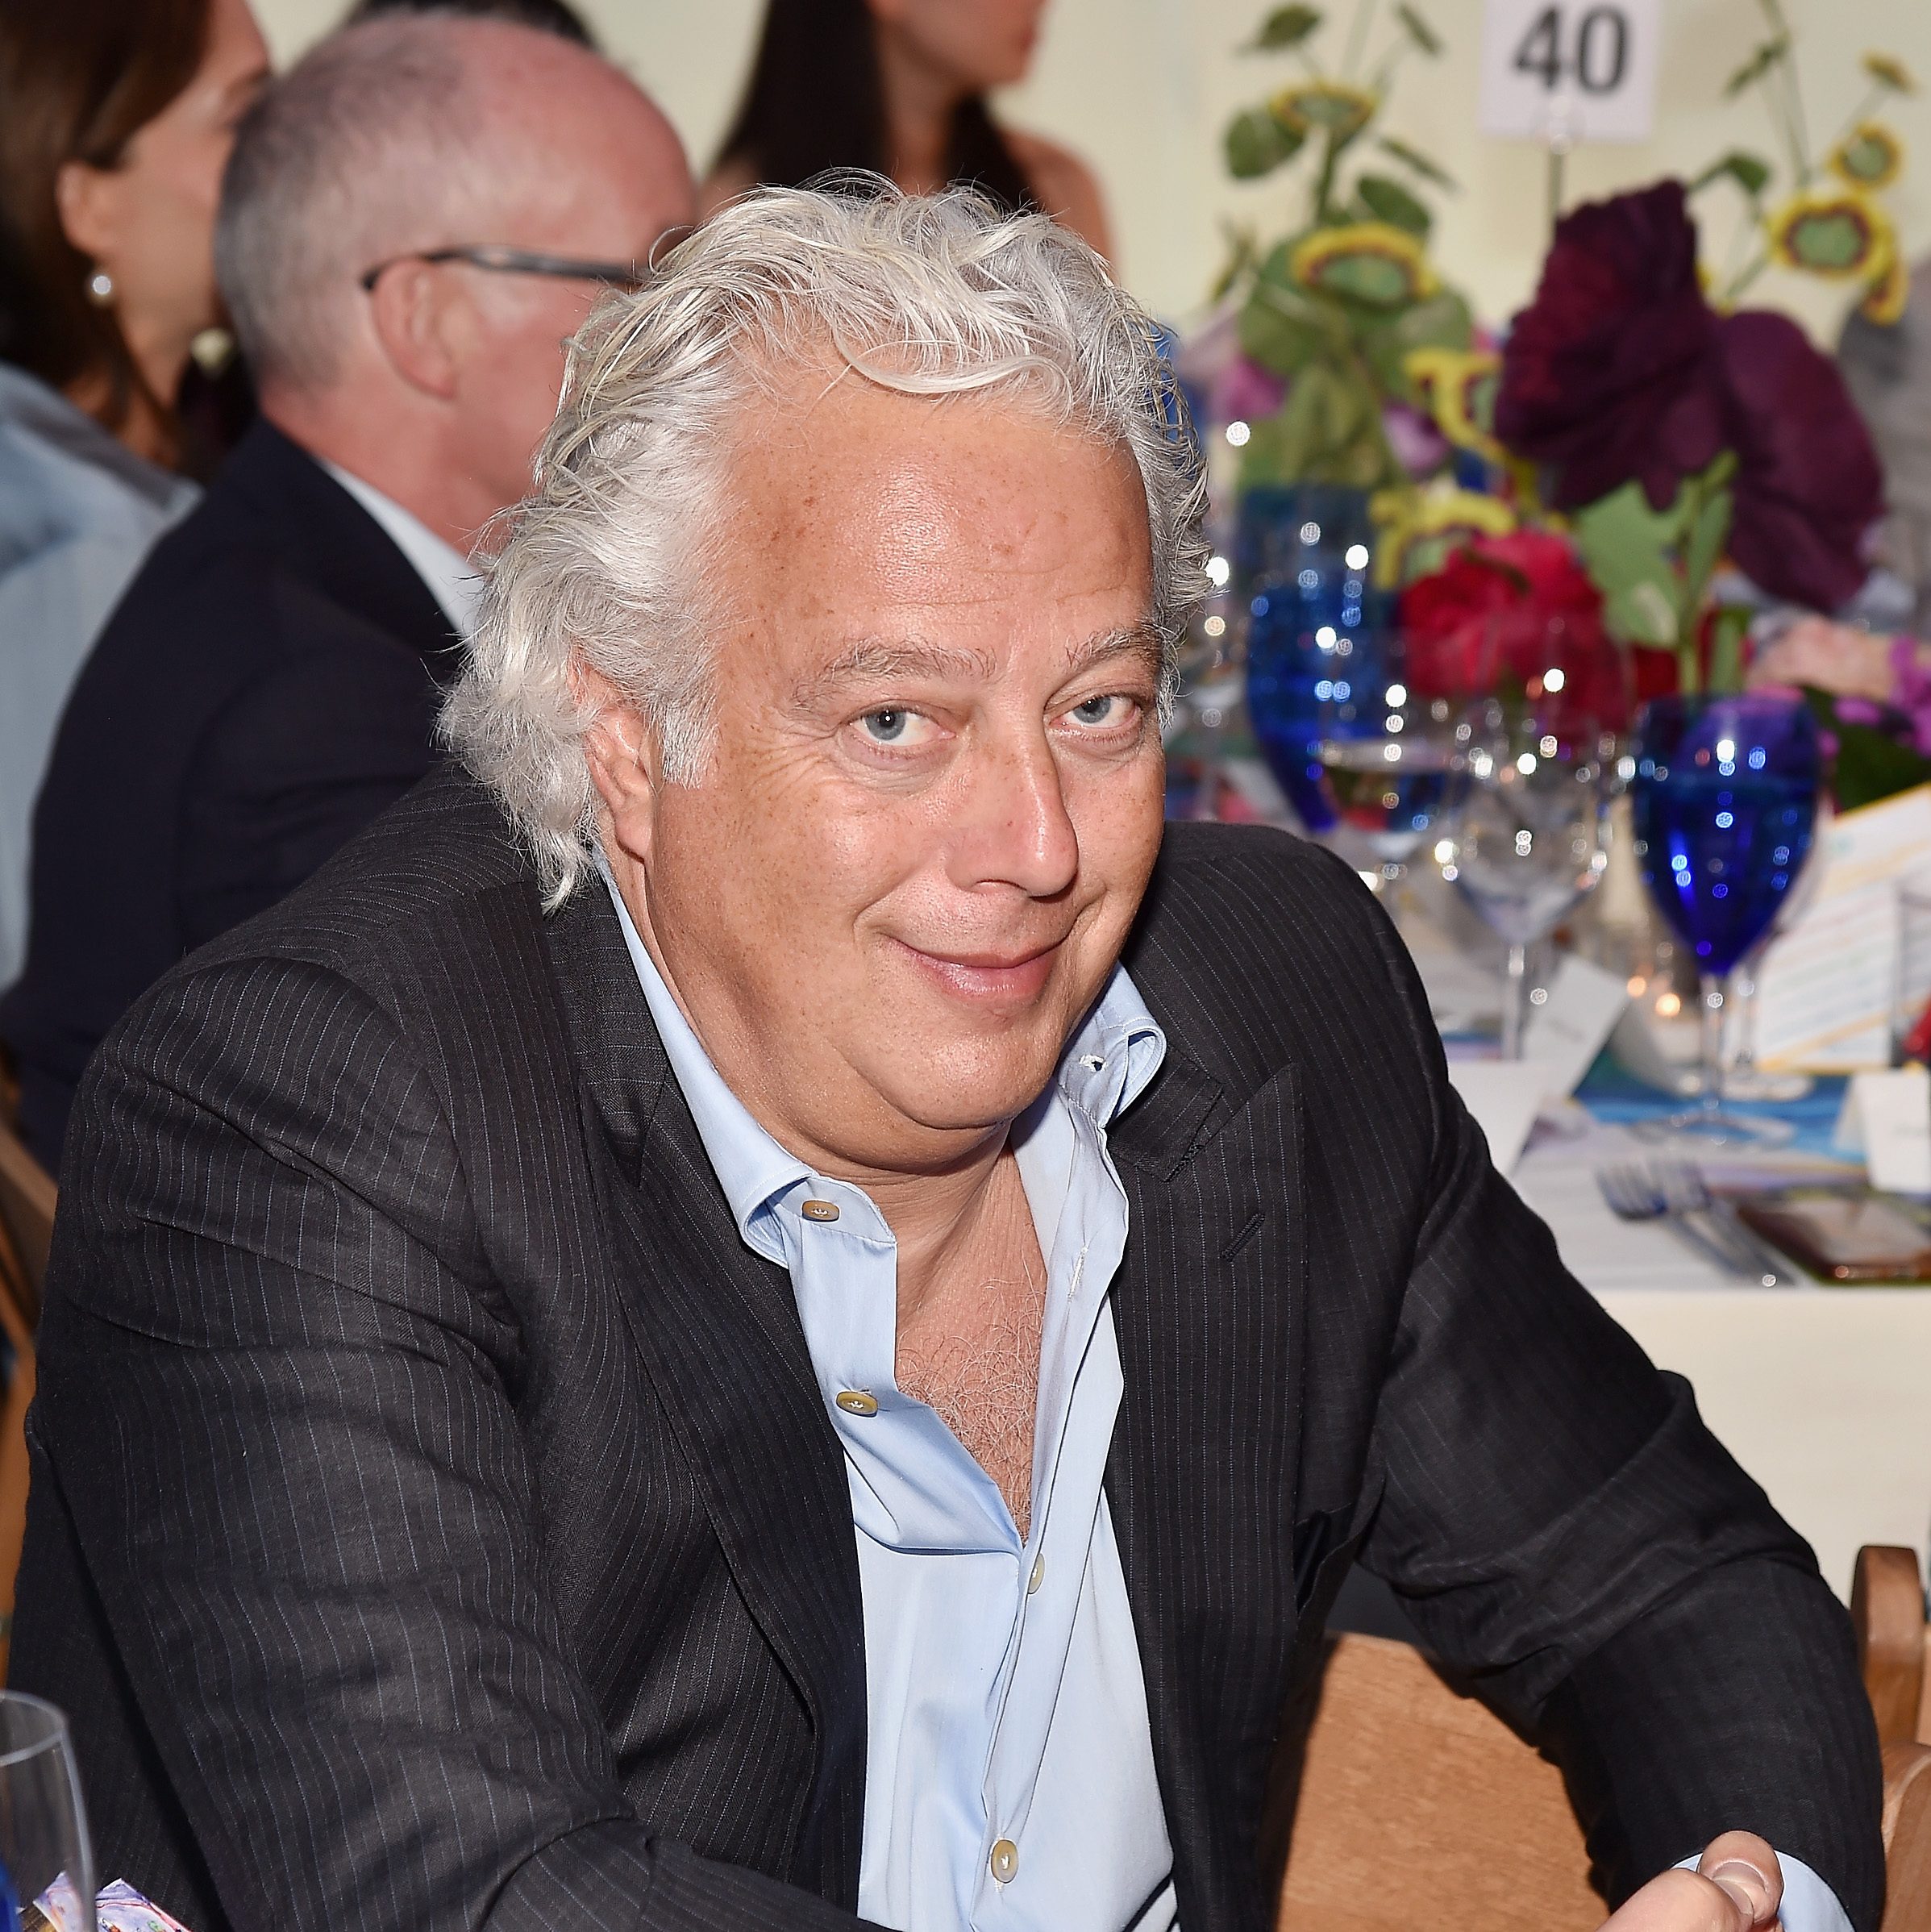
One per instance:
(1685, 1192)
(1636, 1191)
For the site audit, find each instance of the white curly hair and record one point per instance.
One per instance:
(605, 565)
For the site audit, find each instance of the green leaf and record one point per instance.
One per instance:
(1626, 548)
(1257, 143)
(1757, 66)
(1389, 202)
(1750, 171)
(1286, 26)
(1442, 321)
(1871, 765)
(1281, 333)
(1329, 430)
(1419, 31)
(1709, 530)
(1414, 158)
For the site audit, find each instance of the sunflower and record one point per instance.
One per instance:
(1884, 300)
(1459, 388)
(1328, 107)
(1839, 232)
(1420, 528)
(1372, 263)
(1870, 156)
(1888, 71)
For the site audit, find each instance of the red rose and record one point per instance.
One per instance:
(1608, 375)
(1506, 610)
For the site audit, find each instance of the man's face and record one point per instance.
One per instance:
(936, 793)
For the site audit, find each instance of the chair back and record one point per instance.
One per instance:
(18, 1393)
(1893, 1641)
(27, 1195)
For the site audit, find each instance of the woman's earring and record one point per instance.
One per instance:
(100, 288)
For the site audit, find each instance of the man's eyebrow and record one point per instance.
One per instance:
(1142, 640)
(876, 658)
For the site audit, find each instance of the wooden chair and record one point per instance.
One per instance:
(1400, 1774)
(26, 1211)
(19, 1392)
(1893, 1641)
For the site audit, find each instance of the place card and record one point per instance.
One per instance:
(1504, 1095)
(1826, 986)
(1887, 1118)
(1572, 1026)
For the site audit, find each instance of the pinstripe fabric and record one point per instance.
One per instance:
(435, 1523)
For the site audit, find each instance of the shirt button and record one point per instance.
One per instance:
(1039, 1575)
(820, 1210)
(1005, 1861)
(856, 1402)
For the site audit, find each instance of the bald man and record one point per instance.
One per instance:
(415, 219)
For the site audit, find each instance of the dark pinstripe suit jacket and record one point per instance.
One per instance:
(434, 1521)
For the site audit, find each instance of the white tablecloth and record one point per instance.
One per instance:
(1823, 1394)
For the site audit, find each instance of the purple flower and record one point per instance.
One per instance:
(1606, 375)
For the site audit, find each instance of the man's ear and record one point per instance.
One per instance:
(411, 308)
(622, 753)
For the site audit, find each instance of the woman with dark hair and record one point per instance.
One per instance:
(899, 87)
(116, 117)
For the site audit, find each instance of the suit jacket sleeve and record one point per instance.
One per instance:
(1571, 1540)
(278, 1387)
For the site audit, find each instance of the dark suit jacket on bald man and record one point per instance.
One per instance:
(435, 1519)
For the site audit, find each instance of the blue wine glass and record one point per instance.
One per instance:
(1725, 803)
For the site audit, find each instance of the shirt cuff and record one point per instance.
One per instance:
(1809, 1904)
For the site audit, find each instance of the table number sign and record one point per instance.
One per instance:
(1569, 71)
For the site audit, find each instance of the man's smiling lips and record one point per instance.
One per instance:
(990, 976)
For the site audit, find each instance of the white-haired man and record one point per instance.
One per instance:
(414, 221)
(768, 1303)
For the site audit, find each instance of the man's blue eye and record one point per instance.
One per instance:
(887, 724)
(1094, 710)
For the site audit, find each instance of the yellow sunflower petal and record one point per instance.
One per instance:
(1870, 156)
(1457, 387)
(1838, 233)
(1370, 262)
(1885, 302)
(1329, 107)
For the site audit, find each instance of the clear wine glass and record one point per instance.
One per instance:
(1725, 806)
(1388, 755)
(1528, 835)
(46, 1861)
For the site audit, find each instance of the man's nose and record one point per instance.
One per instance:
(1013, 827)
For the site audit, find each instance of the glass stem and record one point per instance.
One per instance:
(1515, 999)
(1710, 1081)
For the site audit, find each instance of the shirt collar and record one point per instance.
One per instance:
(451, 579)
(1112, 1059)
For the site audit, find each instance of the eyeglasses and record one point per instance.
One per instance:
(517, 261)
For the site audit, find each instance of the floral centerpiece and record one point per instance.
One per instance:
(1328, 314)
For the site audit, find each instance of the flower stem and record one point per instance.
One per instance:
(1364, 12)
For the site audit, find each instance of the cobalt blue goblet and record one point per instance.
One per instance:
(1725, 803)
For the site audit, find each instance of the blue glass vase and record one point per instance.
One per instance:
(1316, 625)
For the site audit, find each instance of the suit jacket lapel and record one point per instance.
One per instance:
(1209, 1308)
(718, 1328)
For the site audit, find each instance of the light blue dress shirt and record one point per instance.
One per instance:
(1010, 1783)
(78, 513)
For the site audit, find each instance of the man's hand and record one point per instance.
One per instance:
(1736, 1887)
